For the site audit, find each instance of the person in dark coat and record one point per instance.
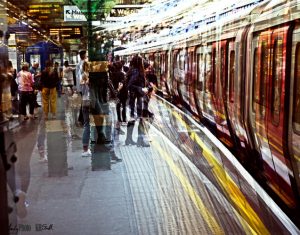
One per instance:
(136, 85)
(49, 81)
(119, 83)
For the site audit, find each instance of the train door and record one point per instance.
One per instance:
(229, 86)
(157, 70)
(219, 68)
(277, 109)
(179, 72)
(162, 81)
(182, 78)
(199, 83)
(261, 70)
(191, 77)
(208, 110)
(294, 127)
(270, 111)
(174, 75)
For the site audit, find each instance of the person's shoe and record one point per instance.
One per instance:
(43, 160)
(115, 158)
(53, 116)
(26, 118)
(129, 142)
(86, 153)
(33, 117)
(121, 132)
(142, 143)
(37, 105)
(20, 199)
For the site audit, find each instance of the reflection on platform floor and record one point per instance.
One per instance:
(183, 183)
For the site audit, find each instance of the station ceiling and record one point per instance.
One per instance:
(36, 20)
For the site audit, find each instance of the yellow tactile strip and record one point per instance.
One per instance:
(172, 196)
(168, 197)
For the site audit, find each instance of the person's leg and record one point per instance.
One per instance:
(23, 103)
(86, 132)
(45, 100)
(132, 96)
(141, 141)
(130, 126)
(36, 105)
(32, 100)
(53, 95)
(123, 102)
(118, 108)
(139, 105)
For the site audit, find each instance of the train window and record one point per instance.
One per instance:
(200, 72)
(277, 78)
(263, 77)
(296, 105)
(157, 65)
(187, 67)
(214, 74)
(255, 93)
(231, 75)
(176, 66)
(208, 73)
(166, 63)
(181, 62)
(223, 58)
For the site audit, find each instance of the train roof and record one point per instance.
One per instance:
(212, 22)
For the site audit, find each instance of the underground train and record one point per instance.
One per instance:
(238, 72)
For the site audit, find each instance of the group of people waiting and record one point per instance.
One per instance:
(28, 82)
(132, 85)
(135, 83)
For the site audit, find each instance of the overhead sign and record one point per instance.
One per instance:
(73, 13)
(66, 32)
(120, 11)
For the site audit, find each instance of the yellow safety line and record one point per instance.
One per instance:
(207, 216)
(229, 185)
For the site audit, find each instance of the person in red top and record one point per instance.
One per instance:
(25, 87)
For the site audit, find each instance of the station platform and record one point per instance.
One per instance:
(185, 182)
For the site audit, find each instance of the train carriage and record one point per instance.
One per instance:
(239, 74)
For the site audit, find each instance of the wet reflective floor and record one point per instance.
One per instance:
(178, 180)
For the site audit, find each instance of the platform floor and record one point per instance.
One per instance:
(184, 183)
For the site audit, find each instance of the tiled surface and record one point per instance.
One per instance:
(171, 187)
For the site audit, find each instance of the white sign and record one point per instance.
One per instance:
(72, 13)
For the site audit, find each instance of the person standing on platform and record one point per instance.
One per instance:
(151, 81)
(136, 85)
(34, 70)
(25, 87)
(78, 72)
(85, 91)
(49, 80)
(119, 83)
(67, 80)
(12, 73)
(57, 69)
